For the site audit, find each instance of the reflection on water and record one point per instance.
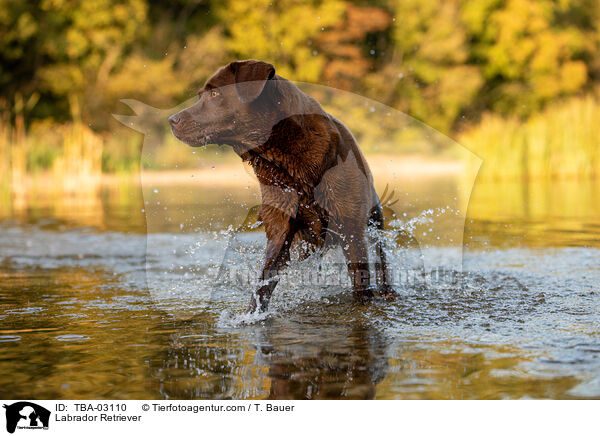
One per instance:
(543, 213)
(78, 318)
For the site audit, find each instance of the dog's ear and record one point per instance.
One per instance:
(256, 73)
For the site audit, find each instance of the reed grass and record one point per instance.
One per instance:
(562, 142)
(72, 152)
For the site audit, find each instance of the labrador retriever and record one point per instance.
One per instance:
(315, 184)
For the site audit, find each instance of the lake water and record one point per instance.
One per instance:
(101, 300)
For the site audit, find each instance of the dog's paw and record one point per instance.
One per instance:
(364, 296)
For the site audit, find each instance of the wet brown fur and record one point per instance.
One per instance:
(315, 183)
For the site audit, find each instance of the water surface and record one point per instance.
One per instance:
(86, 311)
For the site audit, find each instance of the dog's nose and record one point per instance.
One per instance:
(174, 119)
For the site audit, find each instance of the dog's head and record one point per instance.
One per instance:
(236, 107)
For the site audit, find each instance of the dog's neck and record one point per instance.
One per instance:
(292, 155)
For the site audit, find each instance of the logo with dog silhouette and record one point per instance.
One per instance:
(26, 415)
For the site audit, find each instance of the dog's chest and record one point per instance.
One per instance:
(281, 190)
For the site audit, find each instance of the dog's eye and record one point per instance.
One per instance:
(214, 93)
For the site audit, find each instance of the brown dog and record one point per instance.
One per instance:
(315, 184)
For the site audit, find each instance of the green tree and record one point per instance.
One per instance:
(428, 74)
(282, 32)
(530, 51)
(64, 48)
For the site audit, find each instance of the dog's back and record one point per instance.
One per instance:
(319, 154)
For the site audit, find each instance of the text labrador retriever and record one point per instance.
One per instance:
(315, 184)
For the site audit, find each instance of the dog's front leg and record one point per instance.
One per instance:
(356, 253)
(279, 241)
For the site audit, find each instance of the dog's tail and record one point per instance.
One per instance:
(387, 199)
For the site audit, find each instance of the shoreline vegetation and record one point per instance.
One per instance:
(561, 142)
